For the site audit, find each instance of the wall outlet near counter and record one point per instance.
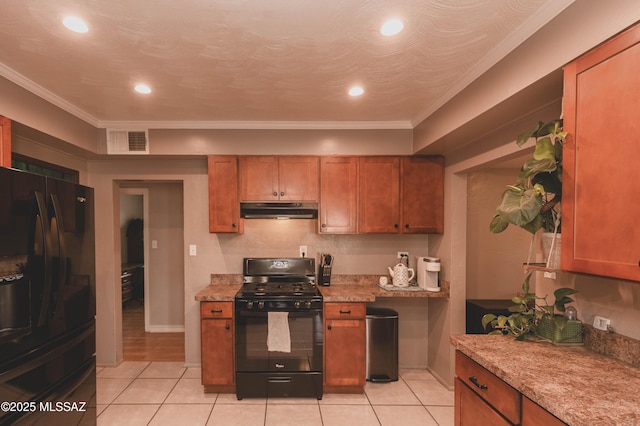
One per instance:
(303, 251)
(403, 253)
(601, 323)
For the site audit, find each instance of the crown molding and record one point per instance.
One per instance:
(260, 125)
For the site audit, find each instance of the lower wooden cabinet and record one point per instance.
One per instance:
(481, 398)
(218, 356)
(344, 347)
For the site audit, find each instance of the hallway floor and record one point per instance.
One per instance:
(166, 393)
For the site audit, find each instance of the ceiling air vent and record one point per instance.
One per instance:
(127, 142)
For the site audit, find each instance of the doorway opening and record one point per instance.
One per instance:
(151, 235)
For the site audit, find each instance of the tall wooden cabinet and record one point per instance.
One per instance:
(273, 178)
(344, 347)
(224, 207)
(217, 351)
(338, 195)
(600, 178)
(5, 142)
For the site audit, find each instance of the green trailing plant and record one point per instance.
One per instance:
(526, 313)
(532, 202)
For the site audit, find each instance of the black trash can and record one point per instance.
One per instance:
(382, 345)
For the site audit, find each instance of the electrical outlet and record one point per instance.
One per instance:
(303, 251)
(403, 253)
(601, 323)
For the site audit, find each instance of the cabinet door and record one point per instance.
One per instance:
(600, 178)
(298, 178)
(422, 198)
(224, 208)
(345, 357)
(217, 351)
(259, 178)
(471, 410)
(5, 142)
(338, 195)
(379, 195)
(535, 415)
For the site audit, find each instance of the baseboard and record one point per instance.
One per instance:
(166, 329)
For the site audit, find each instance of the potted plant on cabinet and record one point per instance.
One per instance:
(530, 319)
(532, 203)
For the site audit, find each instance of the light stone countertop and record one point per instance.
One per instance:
(578, 386)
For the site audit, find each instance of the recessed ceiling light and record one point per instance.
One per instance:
(356, 91)
(75, 24)
(391, 27)
(143, 88)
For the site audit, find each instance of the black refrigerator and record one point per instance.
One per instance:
(47, 301)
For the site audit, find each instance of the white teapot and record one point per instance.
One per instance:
(401, 275)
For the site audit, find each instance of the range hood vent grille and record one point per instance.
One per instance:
(279, 210)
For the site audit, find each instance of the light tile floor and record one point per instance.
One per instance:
(167, 393)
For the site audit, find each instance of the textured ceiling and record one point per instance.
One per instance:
(236, 62)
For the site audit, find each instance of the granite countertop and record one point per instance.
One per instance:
(578, 386)
(343, 288)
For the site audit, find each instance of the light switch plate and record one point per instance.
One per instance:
(193, 250)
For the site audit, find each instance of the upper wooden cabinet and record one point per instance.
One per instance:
(224, 207)
(379, 195)
(600, 178)
(401, 195)
(273, 178)
(5, 142)
(422, 197)
(338, 195)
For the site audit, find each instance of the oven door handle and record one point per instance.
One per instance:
(279, 379)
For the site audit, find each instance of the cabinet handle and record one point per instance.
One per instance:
(324, 225)
(233, 225)
(345, 312)
(395, 225)
(282, 194)
(227, 327)
(216, 311)
(275, 193)
(474, 380)
(406, 225)
(329, 327)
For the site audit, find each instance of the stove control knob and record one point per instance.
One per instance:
(307, 304)
(250, 304)
(296, 304)
(260, 305)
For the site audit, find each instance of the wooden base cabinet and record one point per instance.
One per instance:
(218, 355)
(344, 347)
(600, 178)
(483, 399)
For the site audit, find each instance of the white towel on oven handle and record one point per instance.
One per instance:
(278, 334)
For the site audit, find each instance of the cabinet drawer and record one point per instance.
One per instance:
(216, 309)
(471, 410)
(497, 393)
(345, 310)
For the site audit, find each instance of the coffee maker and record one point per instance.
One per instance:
(324, 269)
(428, 269)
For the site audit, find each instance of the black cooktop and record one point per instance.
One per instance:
(279, 277)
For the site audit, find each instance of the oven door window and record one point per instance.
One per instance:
(252, 354)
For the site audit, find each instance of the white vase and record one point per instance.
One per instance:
(552, 261)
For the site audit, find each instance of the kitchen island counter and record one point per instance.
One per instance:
(578, 386)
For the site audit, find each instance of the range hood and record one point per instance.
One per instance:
(277, 210)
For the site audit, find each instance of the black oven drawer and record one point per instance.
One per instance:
(274, 385)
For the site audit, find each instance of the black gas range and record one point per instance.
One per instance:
(278, 314)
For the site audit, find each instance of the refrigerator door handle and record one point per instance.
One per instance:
(42, 217)
(62, 249)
